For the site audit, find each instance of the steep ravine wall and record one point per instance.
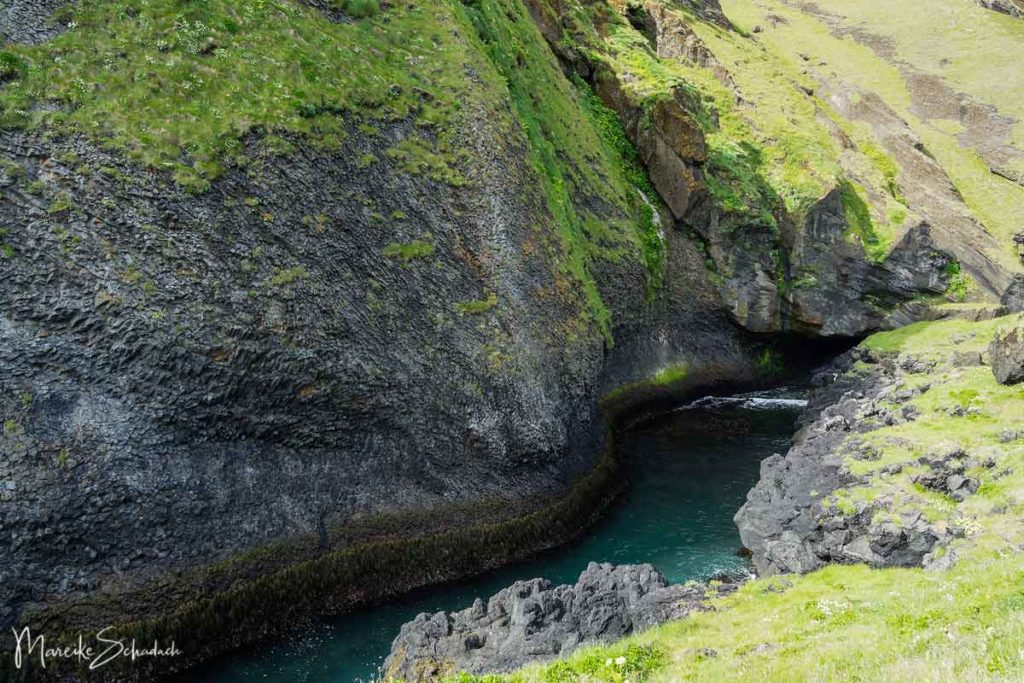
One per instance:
(321, 381)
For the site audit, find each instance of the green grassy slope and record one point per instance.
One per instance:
(884, 47)
(771, 146)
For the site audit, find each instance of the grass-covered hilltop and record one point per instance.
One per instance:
(307, 304)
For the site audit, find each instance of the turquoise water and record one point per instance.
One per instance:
(689, 470)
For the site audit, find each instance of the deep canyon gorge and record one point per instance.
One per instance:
(308, 305)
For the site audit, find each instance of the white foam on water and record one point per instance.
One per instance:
(749, 401)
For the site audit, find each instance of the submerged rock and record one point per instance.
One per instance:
(1006, 355)
(533, 621)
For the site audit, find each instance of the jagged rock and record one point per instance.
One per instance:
(1015, 8)
(1013, 297)
(1006, 355)
(852, 294)
(947, 474)
(29, 21)
(785, 522)
(533, 621)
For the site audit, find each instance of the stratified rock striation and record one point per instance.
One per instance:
(534, 621)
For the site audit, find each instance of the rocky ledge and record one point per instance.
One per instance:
(533, 621)
(856, 485)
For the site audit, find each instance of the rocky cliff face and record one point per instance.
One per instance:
(274, 366)
(783, 255)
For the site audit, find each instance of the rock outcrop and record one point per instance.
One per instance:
(29, 21)
(777, 271)
(534, 621)
(789, 521)
(1006, 355)
(1015, 8)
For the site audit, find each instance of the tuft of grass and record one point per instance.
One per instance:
(477, 306)
(286, 276)
(960, 283)
(61, 203)
(12, 67)
(359, 8)
(406, 252)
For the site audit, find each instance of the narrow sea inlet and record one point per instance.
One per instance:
(689, 471)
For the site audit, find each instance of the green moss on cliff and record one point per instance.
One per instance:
(181, 85)
(662, 379)
(177, 85)
(409, 251)
(642, 195)
(575, 150)
(859, 223)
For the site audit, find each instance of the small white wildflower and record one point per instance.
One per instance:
(620, 661)
(608, 662)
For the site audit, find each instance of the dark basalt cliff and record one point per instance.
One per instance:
(217, 393)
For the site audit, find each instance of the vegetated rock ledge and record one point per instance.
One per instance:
(534, 621)
(793, 521)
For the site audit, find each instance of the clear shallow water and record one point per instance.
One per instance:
(690, 471)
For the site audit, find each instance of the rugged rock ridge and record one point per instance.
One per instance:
(533, 621)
